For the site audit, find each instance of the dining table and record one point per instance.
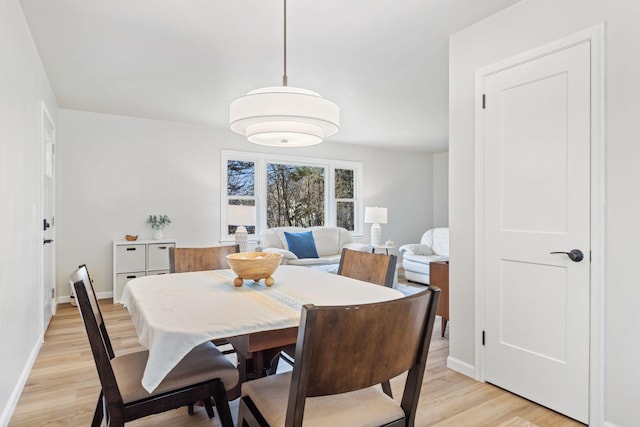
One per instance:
(173, 313)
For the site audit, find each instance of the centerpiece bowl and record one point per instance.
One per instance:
(254, 266)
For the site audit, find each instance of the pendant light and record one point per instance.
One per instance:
(284, 116)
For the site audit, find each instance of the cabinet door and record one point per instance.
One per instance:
(158, 256)
(121, 280)
(130, 258)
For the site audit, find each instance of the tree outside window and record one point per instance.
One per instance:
(295, 195)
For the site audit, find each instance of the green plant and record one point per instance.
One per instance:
(158, 221)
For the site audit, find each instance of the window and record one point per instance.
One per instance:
(292, 191)
(240, 188)
(345, 198)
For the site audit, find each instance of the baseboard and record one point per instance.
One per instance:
(460, 366)
(99, 295)
(104, 295)
(7, 411)
(62, 300)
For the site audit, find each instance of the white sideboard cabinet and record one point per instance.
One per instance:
(133, 259)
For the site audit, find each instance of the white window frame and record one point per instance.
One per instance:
(260, 161)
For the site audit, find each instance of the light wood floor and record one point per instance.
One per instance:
(63, 386)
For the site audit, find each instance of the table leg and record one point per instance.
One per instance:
(444, 325)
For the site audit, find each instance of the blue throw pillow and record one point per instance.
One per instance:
(302, 244)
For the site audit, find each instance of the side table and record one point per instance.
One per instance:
(439, 277)
(385, 247)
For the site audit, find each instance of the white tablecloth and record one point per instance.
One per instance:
(173, 313)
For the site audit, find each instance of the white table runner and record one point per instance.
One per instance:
(173, 313)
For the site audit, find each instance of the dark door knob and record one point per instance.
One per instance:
(574, 255)
(45, 241)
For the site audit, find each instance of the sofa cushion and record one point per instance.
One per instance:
(327, 240)
(302, 244)
(274, 237)
(416, 249)
(286, 255)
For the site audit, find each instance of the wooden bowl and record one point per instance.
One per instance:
(131, 238)
(254, 266)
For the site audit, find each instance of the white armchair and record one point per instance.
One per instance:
(416, 257)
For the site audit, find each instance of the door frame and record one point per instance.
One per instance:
(46, 118)
(595, 36)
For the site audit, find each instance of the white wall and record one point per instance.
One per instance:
(114, 171)
(441, 189)
(23, 85)
(526, 25)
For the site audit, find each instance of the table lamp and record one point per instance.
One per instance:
(375, 216)
(241, 216)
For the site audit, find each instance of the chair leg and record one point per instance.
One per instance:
(222, 404)
(444, 326)
(98, 414)
(249, 415)
(209, 407)
(386, 388)
(273, 365)
(242, 409)
(275, 362)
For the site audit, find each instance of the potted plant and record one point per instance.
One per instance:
(158, 223)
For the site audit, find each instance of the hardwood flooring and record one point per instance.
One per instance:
(63, 386)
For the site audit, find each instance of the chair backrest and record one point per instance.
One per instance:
(368, 267)
(182, 260)
(82, 274)
(378, 342)
(97, 334)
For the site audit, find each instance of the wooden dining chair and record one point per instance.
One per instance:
(203, 374)
(377, 342)
(378, 269)
(369, 267)
(182, 260)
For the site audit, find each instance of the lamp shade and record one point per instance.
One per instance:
(241, 215)
(284, 116)
(375, 215)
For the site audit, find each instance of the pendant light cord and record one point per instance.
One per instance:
(284, 77)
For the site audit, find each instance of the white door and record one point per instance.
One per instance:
(48, 181)
(537, 201)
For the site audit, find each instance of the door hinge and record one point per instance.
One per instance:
(483, 338)
(53, 293)
(484, 101)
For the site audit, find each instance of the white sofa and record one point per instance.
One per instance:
(416, 257)
(329, 243)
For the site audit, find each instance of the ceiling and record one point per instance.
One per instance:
(385, 63)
